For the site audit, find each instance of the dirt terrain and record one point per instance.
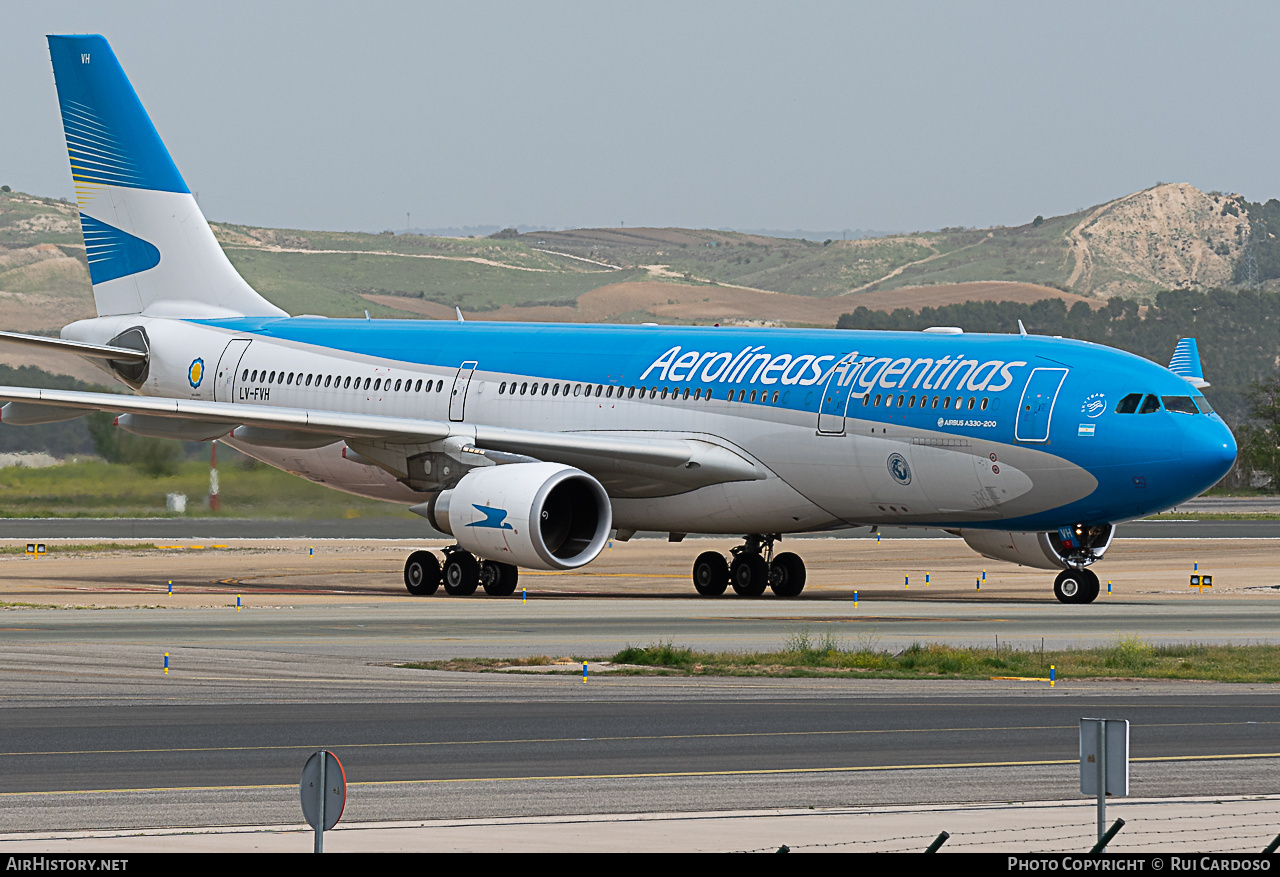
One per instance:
(683, 303)
(1169, 236)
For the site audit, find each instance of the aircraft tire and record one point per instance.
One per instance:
(498, 579)
(422, 574)
(461, 574)
(749, 574)
(1075, 586)
(710, 574)
(787, 575)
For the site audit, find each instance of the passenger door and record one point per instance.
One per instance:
(458, 398)
(835, 398)
(224, 387)
(1035, 410)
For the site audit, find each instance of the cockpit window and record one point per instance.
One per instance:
(1129, 404)
(1203, 404)
(1149, 404)
(1181, 404)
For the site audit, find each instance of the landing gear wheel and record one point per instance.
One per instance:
(1075, 586)
(499, 579)
(710, 574)
(786, 575)
(749, 574)
(461, 574)
(422, 574)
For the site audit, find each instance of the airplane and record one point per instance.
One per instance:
(533, 444)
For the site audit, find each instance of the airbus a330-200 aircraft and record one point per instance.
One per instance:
(530, 443)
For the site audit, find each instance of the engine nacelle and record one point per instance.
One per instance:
(536, 515)
(1043, 550)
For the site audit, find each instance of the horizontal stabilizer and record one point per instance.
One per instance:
(62, 345)
(1186, 363)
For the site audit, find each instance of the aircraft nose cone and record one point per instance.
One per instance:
(1209, 449)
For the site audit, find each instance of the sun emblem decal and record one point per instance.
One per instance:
(195, 373)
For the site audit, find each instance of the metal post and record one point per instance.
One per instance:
(1273, 846)
(1102, 779)
(320, 821)
(938, 842)
(1106, 838)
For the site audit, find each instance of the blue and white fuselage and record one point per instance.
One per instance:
(531, 443)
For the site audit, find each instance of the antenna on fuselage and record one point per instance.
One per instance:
(1022, 330)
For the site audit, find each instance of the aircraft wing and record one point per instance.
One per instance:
(626, 464)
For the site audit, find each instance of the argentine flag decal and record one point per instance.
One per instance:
(195, 373)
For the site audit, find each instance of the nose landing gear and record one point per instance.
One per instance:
(754, 568)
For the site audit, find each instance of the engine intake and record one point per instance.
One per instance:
(1043, 550)
(536, 515)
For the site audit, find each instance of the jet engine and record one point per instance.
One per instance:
(536, 515)
(1068, 548)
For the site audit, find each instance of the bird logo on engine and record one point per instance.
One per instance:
(494, 519)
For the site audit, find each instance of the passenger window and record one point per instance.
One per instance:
(439, 386)
(308, 380)
(367, 382)
(900, 400)
(970, 406)
(600, 389)
(983, 406)
(397, 385)
(775, 397)
(708, 393)
(866, 399)
(555, 390)
(1181, 404)
(935, 402)
(245, 376)
(1149, 404)
(502, 388)
(1129, 404)
(546, 388)
(878, 398)
(946, 401)
(686, 392)
(911, 403)
(577, 389)
(328, 379)
(289, 379)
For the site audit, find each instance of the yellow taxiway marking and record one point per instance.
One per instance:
(628, 738)
(656, 774)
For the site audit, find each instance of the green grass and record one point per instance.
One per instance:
(54, 548)
(96, 489)
(1128, 656)
(334, 284)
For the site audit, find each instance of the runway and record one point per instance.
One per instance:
(97, 736)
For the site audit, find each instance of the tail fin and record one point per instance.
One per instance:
(1186, 363)
(149, 247)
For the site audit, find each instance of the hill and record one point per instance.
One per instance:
(1169, 236)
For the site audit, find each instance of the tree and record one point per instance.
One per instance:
(1259, 441)
(1037, 222)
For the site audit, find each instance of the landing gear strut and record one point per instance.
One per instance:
(1075, 586)
(754, 568)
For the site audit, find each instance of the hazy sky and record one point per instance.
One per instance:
(891, 115)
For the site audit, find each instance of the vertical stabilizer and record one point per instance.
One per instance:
(1186, 363)
(149, 247)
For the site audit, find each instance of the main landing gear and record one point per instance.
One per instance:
(1075, 586)
(461, 574)
(754, 567)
